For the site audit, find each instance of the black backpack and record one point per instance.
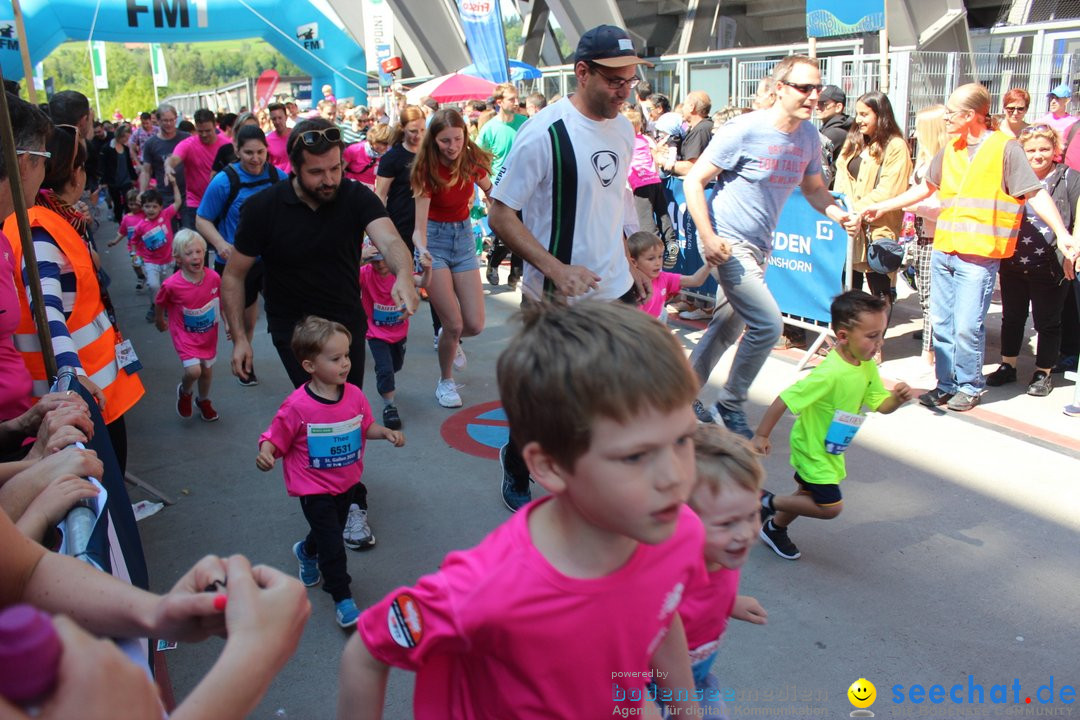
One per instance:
(235, 186)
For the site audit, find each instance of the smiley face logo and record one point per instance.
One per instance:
(862, 693)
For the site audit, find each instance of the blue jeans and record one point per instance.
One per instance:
(962, 286)
(452, 246)
(742, 280)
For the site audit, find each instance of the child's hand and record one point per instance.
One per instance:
(111, 243)
(367, 251)
(265, 460)
(53, 503)
(761, 445)
(395, 436)
(749, 610)
(425, 260)
(161, 323)
(902, 392)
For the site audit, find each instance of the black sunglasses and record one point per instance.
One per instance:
(804, 88)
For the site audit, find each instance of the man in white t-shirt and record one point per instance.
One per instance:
(566, 177)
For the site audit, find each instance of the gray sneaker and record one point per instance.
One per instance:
(357, 534)
(702, 413)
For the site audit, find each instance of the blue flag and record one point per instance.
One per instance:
(482, 22)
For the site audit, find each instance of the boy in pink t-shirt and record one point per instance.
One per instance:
(647, 255)
(153, 238)
(192, 298)
(128, 223)
(562, 611)
(388, 325)
(727, 500)
(320, 431)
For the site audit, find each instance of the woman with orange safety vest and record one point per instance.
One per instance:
(983, 179)
(81, 320)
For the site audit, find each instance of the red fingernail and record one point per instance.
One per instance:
(220, 601)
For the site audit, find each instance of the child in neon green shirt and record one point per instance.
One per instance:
(828, 403)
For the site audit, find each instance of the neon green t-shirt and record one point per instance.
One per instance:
(833, 386)
(497, 137)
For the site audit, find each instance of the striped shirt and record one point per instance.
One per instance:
(58, 291)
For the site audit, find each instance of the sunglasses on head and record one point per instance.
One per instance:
(1031, 129)
(311, 138)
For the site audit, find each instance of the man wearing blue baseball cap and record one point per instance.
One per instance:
(1058, 116)
(561, 200)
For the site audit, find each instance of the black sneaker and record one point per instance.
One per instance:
(935, 398)
(702, 413)
(1005, 373)
(493, 275)
(249, 381)
(962, 402)
(391, 418)
(1041, 384)
(1065, 363)
(777, 539)
(766, 512)
(515, 484)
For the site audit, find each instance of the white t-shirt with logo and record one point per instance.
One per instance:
(567, 175)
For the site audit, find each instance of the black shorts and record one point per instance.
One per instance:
(823, 494)
(253, 281)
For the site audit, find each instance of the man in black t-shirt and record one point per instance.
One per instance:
(309, 232)
(695, 110)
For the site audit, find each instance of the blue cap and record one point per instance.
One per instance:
(1061, 91)
(609, 46)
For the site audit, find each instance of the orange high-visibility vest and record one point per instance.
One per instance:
(91, 332)
(978, 217)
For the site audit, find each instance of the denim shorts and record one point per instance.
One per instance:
(452, 246)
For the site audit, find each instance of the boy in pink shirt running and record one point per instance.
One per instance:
(320, 431)
(192, 297)
(388, 325)
(565, 609)
(153, 238)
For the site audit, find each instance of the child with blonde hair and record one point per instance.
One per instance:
(192, 299)
(726, 499)
(647, 255)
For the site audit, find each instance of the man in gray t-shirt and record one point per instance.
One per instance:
(757, 160)
(157, 149)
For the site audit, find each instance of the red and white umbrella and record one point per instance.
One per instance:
(452, 88)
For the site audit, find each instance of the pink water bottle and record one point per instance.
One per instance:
(907, 228)
(29, 655)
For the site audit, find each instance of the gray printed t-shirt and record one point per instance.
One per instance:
(759, 167)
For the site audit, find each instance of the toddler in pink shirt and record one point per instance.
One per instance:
(128, 223)
(320, 431)
(565, 610)
(192, 298)
(647, 255)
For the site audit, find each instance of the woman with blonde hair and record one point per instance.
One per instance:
(874, 165)
(931, 137)
(983, 179)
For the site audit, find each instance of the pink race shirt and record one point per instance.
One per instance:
(360, 164)
(278, 150)
(386, 321)
(664, 286)
(128, 223)
(194, 310)
(499, 633)
(705, 609)
(15, 391)
(322, 441)
(198, 162)
(153, 238)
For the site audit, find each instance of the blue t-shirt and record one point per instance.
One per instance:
(759, 167)
(217, 193)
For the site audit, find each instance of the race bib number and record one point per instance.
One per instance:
(130, 233)
(126, 357)
(201, 320)
(155, 239)
(842, 431)
(334, 445)
(386, 315)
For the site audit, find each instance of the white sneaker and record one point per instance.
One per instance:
(447, 395)
(357, 534)
(435, 342)
(459, 359)
(696, 314)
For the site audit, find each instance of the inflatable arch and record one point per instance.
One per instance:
(295, 27)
